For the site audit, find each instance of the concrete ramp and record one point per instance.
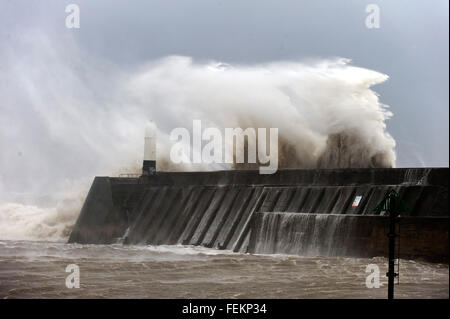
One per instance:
(347, 235)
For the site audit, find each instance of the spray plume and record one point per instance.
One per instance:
(68, 116)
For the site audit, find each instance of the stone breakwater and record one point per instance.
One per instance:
(322, 212)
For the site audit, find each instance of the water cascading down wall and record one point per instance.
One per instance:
(327, 212)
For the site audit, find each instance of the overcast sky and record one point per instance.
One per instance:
(411, 46)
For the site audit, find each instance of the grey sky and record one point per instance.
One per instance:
(411, 46)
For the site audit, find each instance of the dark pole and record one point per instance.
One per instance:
(391, 205)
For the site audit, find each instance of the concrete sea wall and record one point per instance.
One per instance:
(302, 212)
(347, 235)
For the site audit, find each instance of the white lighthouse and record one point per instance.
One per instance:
(149, 163)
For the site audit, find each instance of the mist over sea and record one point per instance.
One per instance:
(82, 115)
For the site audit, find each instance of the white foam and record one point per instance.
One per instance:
(72, 115)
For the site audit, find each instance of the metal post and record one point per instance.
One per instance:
(391, 205)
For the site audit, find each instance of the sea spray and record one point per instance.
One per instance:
(68, 116)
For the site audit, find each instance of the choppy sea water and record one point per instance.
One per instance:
(38, 270)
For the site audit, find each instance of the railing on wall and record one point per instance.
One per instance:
(129, 175)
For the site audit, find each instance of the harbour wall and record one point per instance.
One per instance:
(301, 212)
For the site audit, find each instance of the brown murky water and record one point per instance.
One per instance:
(37, 270)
